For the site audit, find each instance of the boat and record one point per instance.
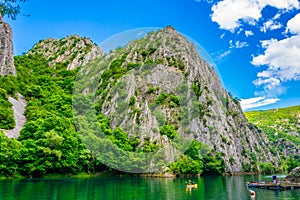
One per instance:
(191, 185)
(273, 186)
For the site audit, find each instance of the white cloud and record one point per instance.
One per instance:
(240, 45)
(280, 4)
(270, 25)
(208, 1)
(224, 54)
(230, 14)
(256, 102)
(248, 33)
(222, 36)
(282, 58)
(293, 25)
(220, 55)
(237, 44)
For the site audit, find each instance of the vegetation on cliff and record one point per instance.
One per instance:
(282, 127)
(50, 141)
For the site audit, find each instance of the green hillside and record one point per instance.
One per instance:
(55, 136)
(282, 127)
(278, 123)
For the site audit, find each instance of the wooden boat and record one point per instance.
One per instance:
(273, 186)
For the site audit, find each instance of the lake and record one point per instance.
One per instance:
(131, 188)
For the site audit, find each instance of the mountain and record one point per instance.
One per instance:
(6, 49)
(73, 51)
(282, 127)
(151, 106)
(156, 88)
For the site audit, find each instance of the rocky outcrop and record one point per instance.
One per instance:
(294, 176)
(20, 119)
(6, 49)
(72, 51)
(139, 86)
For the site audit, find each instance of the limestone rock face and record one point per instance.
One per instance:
(151, 70)
(20, 119)
(294, 176)
(6, 49)
(73, 51)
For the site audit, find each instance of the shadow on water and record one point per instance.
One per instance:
(210, 187)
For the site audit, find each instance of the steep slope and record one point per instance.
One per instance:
(72, 51)
(282, 127)
(156, 88)
(6, 49)
(19, 105)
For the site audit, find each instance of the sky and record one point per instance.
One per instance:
(255, 44)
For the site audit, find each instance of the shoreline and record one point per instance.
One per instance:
(107, 174)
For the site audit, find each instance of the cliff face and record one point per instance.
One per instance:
(72, 51)
(6, 49)
(160, 81)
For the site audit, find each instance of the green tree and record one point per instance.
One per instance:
(9, 155)
(11, 8)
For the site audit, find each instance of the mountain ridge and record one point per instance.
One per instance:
(222, 125)
(72, 51)
(159, 85)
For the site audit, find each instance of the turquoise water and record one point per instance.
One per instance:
(131, 188)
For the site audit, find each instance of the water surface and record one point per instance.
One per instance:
(136, 188)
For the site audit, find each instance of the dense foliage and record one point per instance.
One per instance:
(48, 142)
(10, 8)
(8, 87)
(278, 123)
(282, 127)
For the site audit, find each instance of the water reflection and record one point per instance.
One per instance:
(209, 187)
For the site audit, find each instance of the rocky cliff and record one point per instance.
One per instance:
(158, 86)
(72, 51)
(294, 176)
(6, 49)
(19, 105)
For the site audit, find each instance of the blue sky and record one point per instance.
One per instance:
(255, 43)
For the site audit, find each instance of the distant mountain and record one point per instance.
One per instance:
(282, 127)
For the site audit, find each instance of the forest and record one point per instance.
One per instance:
(49, 144)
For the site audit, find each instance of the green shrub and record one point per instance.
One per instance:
(169, 131)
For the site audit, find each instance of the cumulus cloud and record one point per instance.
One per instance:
(230, 14)
(256, 102)
(280, 4)
(293, 25)
(282, 58)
